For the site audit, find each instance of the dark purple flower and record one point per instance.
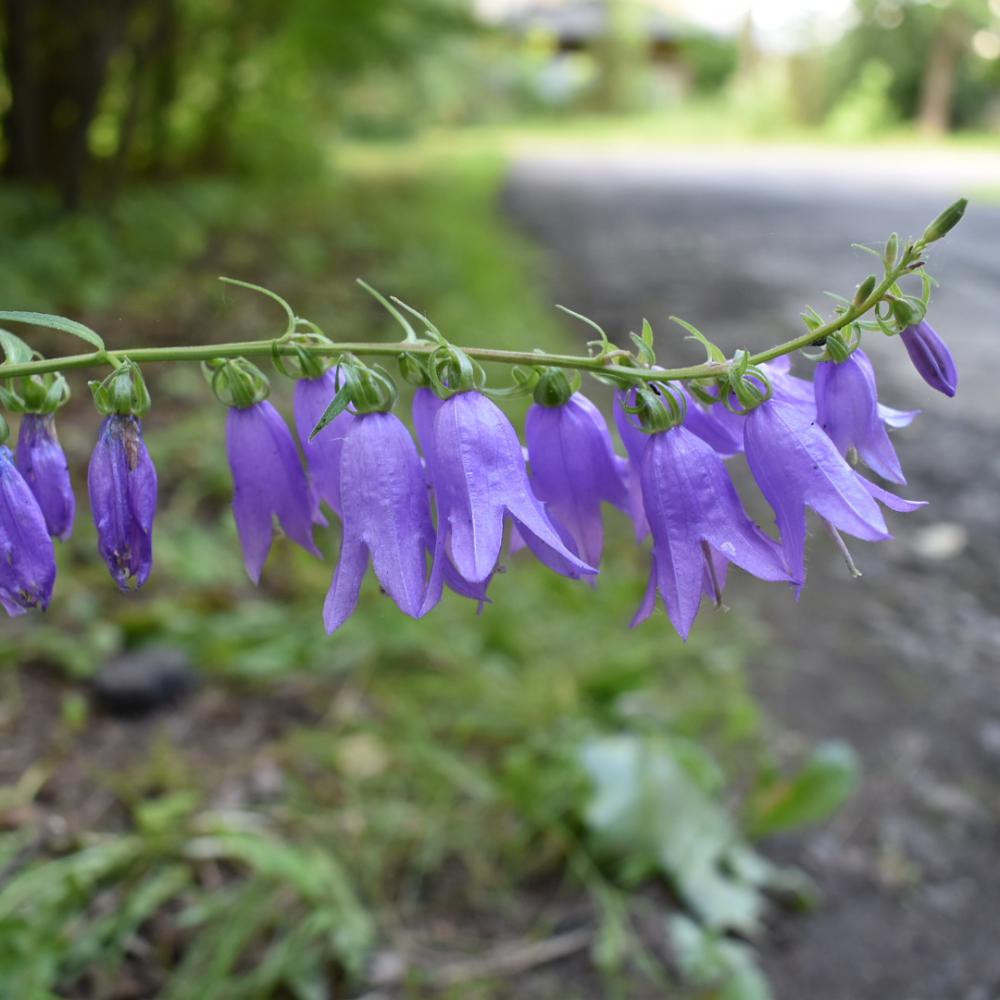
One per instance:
(268, 482)
(931, 357)
(312, 397)
(27, 558)
(122, 485)
(847, 409)
(40, 460)
(478, 475)
(386, 515)
(574, 469)
(796, 465)
(698, 524)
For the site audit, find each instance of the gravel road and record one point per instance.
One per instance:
(904, 663)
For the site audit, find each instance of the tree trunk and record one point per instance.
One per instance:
(937, 90)
(57, 54)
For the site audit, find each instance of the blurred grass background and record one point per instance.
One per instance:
(378, 807)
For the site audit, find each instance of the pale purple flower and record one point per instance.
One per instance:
(121, 481)
(386, 515)
(312, 397)
(27, 558)
(698, 524)
(574, 469)
(40, 460)
(796, 465)
(931, 357)
(268, 482)
(634, 441)
(847, 409)
(477, 471)
(896, 418)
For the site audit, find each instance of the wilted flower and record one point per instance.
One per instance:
(386, 515)
(847, 409)
(268, 482)
(41, 461)
(478, 474)
(27, 558)
(122, 485)
(931, 357)
(698, 525)
(796, 465)
(312, 397)
(574, 469)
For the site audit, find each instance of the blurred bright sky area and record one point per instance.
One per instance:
(780, 25)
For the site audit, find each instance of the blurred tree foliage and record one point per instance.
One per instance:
(936, 80)
(94, 93)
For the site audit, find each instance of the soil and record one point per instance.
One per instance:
(903, 663)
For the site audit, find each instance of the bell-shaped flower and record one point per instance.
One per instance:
(796, 465)
(27, 558)
(574, 469)
(479, 479)
(40, 460)
(847, 409)
(122, 484)
(699, 526)
(268, 482)
(931, 357)
(386, 517)
(312, 397)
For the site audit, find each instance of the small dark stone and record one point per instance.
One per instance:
(143, 681)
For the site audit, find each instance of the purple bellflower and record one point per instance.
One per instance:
(574, 469)
(268, 482)
(386, 514)
(41, 461)
(27, 558)
(931, 357)
(847, 409)
(122, 484)
(796, 465)
(479, 478)
(312, 397)
(699, 526)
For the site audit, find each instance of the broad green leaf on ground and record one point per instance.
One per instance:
(645, 806)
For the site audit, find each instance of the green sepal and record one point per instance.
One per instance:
(236, 382)
(123, 392)
(553, 388)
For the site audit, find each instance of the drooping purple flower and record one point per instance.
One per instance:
(574, 469)
(931, 357)
(27, 558)
(121, 481)
(796, 465)
(268, 482)
(635, 445)
(312, 397)
(386, 515)
(40, 460)
(479, 478)
(847, 409)
(699, 525)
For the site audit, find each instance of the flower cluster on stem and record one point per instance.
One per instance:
(439, 515)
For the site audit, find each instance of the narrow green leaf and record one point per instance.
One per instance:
(714, 352)
(338, 404)
(815, 793)
(55, 323)
(290, 328)
(15, 350)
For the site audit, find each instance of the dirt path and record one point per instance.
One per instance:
(905, 664)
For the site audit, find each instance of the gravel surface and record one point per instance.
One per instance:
(904, 663)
